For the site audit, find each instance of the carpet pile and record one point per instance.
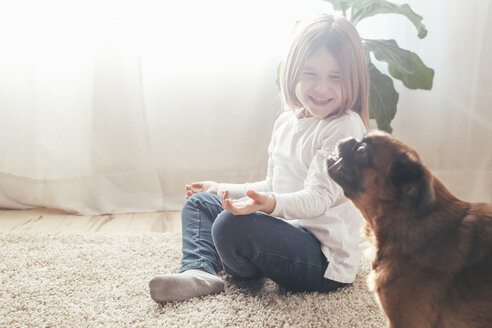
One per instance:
(101, 280)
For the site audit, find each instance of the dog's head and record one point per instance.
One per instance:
(379, 173)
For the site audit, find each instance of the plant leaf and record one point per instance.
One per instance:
(344, 5)
(277, 80)
(374, 7)
(383, 98)
(402, 64)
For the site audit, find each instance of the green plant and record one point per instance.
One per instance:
(403, 65)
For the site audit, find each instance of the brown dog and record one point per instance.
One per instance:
(432, 265)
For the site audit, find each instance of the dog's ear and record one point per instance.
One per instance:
(413, 183)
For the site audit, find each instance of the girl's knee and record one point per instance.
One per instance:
(199, 207)
(235, 244)
(236, 227)
(222, 226)
(200, 199)
(227, 229)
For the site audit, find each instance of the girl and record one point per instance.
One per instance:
(295, 227)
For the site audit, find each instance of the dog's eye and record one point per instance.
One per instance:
(361, 152)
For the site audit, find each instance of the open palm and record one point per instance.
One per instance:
(252, 202)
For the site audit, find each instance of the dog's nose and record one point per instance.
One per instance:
(345, 146)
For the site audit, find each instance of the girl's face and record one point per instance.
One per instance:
(318, 85)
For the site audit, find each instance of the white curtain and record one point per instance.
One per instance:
(451, 125)
(112, 106)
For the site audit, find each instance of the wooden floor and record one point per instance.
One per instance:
(45, 220)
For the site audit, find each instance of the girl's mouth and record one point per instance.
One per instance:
(320, 101)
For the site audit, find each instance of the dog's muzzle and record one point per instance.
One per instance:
(341, 166)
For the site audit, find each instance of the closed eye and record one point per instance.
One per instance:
(362, 153)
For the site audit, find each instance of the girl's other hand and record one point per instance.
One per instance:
(254, 201)
(202, 186)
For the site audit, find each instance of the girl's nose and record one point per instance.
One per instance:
(322, 86)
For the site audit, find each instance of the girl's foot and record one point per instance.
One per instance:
(184, 285)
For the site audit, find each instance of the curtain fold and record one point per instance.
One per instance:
(74, 132)
(451, 126)
(112, 106)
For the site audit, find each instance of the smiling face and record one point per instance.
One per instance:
(318, 85)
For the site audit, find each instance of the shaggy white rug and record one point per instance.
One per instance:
(101, 280)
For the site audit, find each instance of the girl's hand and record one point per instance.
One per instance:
(202, 186)
(254, 201)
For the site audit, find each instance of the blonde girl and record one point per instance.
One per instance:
(295, 227)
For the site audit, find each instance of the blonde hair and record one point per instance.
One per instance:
(340, 37)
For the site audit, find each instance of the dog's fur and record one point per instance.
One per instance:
(432, 265)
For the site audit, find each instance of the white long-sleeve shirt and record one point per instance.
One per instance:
(305, 194)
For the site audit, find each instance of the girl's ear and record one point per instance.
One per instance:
(413, 184)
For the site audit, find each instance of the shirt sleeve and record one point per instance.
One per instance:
(320, 192)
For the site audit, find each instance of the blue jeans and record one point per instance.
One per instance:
(250, 246)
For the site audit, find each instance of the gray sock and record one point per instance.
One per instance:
(184, 285)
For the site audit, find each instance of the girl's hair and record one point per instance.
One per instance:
(340, 37)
